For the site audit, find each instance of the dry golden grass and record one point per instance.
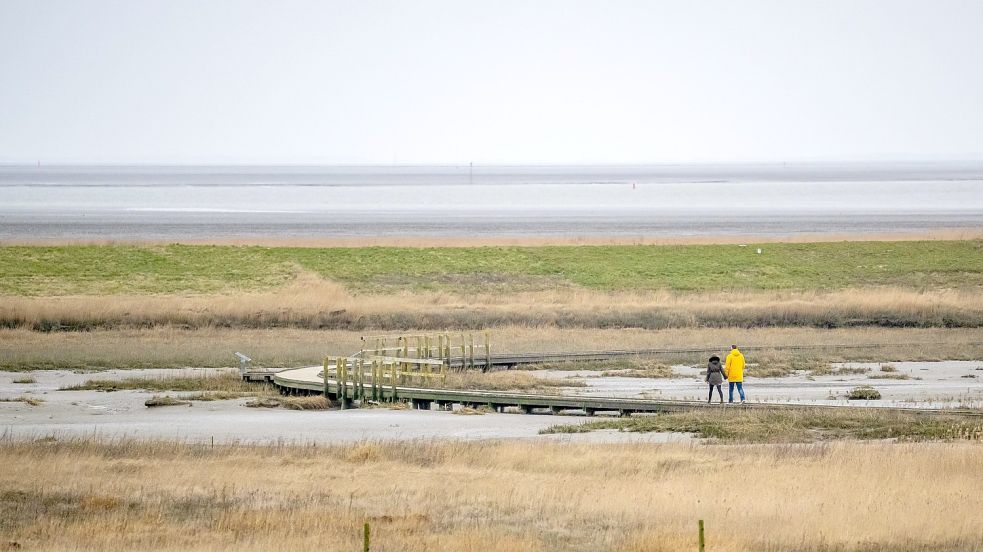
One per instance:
(314, 303)
(164, 400)
(492, 496)
(30, 401)
(173, 348)
(795, 426)
(226, 382)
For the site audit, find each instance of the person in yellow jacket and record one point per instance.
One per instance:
(734, 370)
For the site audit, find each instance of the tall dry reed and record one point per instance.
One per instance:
(313, 303)
(169, 347)
(497, 496)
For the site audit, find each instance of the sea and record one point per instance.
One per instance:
(181, 203)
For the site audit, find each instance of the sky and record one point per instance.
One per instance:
(496, 81)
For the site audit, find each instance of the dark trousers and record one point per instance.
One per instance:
(719, 392)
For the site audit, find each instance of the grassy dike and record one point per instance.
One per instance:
(97, 270)
(825, 285)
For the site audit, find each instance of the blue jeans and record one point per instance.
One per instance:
(740, 389)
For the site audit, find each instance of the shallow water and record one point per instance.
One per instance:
(175, 203)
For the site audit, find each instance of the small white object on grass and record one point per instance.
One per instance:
(759, 251)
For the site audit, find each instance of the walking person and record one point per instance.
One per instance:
(715, 377)
(734, 371)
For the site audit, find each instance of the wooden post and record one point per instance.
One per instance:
(375, 381)
(381, 380)
(361, 382)
(354, 374)
(464, 353)
(340, 368)
(359, 376)
(702, 541)
(365, 538)
(471, 336)
(392, 379)
(487, 353)
(324, 376)
(406, 351)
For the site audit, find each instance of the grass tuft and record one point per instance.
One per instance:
(264, 402)
(165, 400)
(469, 411)
(890, 375)
(30, 401)
(316, 402)
(226, 382)
(863, 393)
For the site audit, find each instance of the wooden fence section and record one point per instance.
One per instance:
(456, 350)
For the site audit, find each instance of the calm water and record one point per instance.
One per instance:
(173, 203)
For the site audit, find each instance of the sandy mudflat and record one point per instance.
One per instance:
(946, 384)
(122, 414)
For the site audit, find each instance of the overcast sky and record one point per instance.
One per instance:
(491, 82)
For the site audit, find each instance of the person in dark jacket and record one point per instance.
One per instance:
(715, 377)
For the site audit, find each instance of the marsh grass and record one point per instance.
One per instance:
(165, 400)
(510, 496)
(863, 393)
(283, 348)
(264, 402)
(306, 403)
(291, 403)
(208, 396)
(890, 375)
(229, 383)
(309, 303)
(827, 369)
(734, 424)
(469, 411)
(30, 401)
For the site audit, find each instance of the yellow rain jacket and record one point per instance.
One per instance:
(734, 366)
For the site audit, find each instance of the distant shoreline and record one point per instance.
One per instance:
(959, 234)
